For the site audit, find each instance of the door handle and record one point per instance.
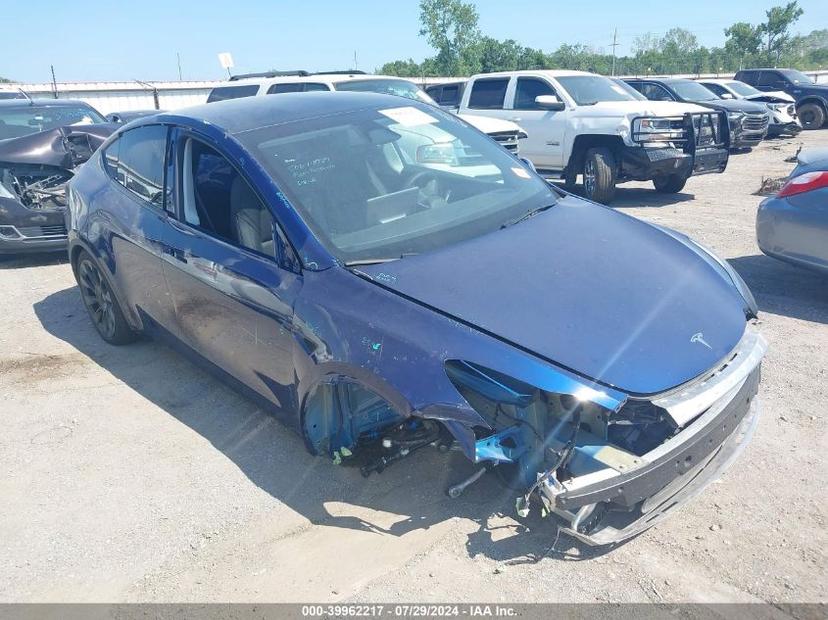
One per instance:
(176, 253)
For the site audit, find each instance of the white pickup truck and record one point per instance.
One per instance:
(580, 123)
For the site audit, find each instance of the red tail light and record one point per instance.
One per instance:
(804, 183)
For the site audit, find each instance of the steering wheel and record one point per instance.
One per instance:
(429, 185)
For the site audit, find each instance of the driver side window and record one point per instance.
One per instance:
(529, 88)
(219, 201)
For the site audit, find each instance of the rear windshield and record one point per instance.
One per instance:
(742, 89)
(18, 121)
(223, 93)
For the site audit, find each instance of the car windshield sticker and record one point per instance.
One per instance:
(408, 116)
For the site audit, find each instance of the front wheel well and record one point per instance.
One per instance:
(822, 103)
(584, 143)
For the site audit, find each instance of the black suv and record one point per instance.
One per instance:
(811, 99)
(748, 121)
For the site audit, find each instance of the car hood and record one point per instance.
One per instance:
(637, 108)
(597, 292)
(65, 147)
(488, 124)
(734, 105)
(776, 96)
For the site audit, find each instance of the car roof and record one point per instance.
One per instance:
(328, 78)
(716, 80)
(553, 73)
(42, 102)
(238, 115)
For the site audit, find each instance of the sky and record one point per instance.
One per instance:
(103, 41)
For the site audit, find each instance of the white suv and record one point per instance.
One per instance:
(504, 132)
(582, 123)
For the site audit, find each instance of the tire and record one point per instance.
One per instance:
(570, 180)
(599, 175)
(811, 115)
(99, 300)
(670, 184)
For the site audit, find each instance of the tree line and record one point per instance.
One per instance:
(451, 28)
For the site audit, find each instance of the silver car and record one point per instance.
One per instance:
(793, 225)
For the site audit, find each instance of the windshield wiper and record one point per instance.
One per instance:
(376, 261)
(527, 215)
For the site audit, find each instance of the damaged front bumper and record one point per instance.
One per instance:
(717, 416)
(611, 471)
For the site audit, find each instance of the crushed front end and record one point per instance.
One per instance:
(34, 171)
(611, 465)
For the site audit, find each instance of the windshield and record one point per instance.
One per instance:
(693, 91)
(742, 89)
(379, 184)
(400, 88)
(590, 89)
(797, 77)
(18, 121)
(634, 93)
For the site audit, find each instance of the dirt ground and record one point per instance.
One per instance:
(128, 474)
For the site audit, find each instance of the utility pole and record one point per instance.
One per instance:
(356, 66)
(54, 82)
(178, 57)
(614, 45)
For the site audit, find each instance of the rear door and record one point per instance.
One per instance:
(487, 97)
(233, 298)
(138, 212)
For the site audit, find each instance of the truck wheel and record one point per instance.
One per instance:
(570, 180)
(811, 115)
(670, 183)
(599, 175)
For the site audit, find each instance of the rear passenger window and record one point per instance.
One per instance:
(295, 87)
(488, 94)
(141, 157)
(219, 201)
(527, 90)
(222, 93)
(450, 95)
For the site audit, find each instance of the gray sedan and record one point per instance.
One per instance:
(793, 225)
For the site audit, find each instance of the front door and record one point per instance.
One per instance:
(545, 129)
(233, 300)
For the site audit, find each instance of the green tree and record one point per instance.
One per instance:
(778, 39)
(450, 27)
(743, 42)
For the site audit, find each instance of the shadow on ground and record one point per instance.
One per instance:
(409, 495)
(785, 289)
(19, 261)
(641, 197)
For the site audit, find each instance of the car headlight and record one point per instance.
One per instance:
(735, 117)
(726, 268)
(657, 129)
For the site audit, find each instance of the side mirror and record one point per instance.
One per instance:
(727, 96)
(550, 102)
(528, 164)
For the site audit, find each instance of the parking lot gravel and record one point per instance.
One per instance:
(129, 474)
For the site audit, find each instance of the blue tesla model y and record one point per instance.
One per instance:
(386, 278)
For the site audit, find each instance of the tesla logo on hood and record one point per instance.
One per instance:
(699, 337)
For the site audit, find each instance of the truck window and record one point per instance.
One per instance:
(528, 89)
(295, 87)
(222, 93)
(488, 94)
(450, 95)
(771, 79)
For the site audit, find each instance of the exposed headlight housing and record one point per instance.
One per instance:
(735, 117)
(657, 131)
